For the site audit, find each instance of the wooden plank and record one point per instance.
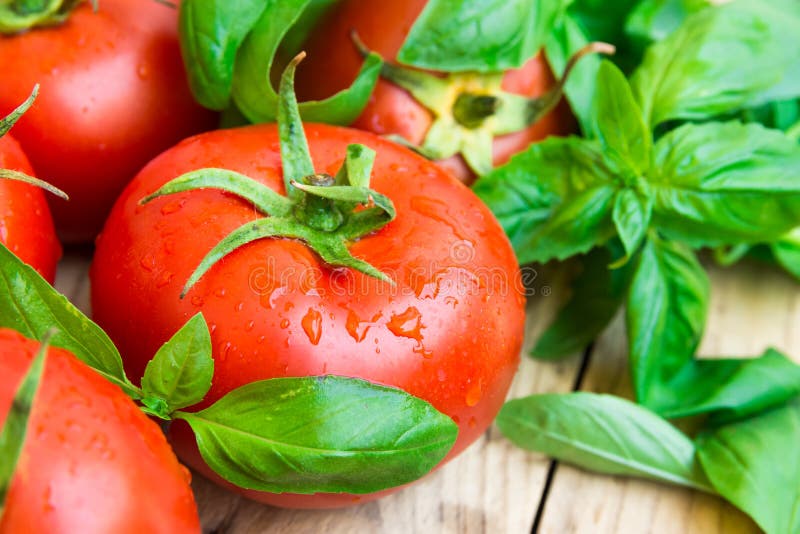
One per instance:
(752, 307)
(492, 487)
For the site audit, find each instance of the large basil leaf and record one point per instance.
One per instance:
(602, 433)
(666, 313)
(211, 32)
(564, 40)
(731, 388)
(180, 373)
(478, 35)
(618, 123)
(725, 183)
(321, 434)
(29, 305)
(722, 59)
(253, 92)
(597, 294)
(537, 194)
(755, 464)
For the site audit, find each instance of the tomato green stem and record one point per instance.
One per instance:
(20, 15)
(325, 212)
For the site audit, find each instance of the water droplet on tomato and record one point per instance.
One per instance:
(285, 323)
(164, 278)
(471, 422)
(441, 375)
(220, 292)
(197, 300)
(474, 395)
(239, 307)
(312, 325)
(148, 262)
(171, 207)
(224, 350)
(407, 324)
(249, 326)
(143, 72)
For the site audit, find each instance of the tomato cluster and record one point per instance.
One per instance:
(428, 300)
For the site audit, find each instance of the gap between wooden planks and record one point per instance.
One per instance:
(494, 487)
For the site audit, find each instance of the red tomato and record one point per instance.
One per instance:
(92, 462)
(26, 226)
(449, 332)
(113, 95)
(333, 62)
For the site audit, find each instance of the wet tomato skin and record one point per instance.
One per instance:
(26, 226)
(92, 462)
(449, 332)
(113, 95)
(332, 64)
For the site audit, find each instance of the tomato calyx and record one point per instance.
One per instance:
(470, 109)
(326, 212)
(6, 123)
(20, 15)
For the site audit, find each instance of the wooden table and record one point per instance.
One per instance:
(496, 488)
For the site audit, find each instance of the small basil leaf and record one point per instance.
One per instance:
(666, 312)
(754, 464)
(253, 92)
(787, 252)
(602, 433)
(597, 294)
(731, 389)
(211, 32)
(479, 35)
(528, 191)
(321, 434)
(29, 305)
(725, 183)
(722, 59)
(631, 217)
(180, 373)
(12, 433)
(618, 123)
(563, 41)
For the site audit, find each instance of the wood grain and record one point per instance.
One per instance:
(752, 307)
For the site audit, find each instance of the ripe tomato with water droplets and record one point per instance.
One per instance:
(113, 95)
(449, 331)
(26, 226)
(91, 461)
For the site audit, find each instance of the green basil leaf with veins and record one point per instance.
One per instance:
(597, 294)
(631, 215)
(666, 313)
(603, 433)
(211, 32)
(755, 465)
(15, 427)
(720, 60)
(617, 122)
(731, 388)
(530, 191)
(253, 92)
(478, 35)
(565, 39)
(725, 183)
(180, 373)
(321, 434)
(29, 305)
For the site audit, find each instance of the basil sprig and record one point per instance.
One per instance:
(300, 435)
(229, 49)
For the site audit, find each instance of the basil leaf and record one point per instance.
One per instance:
(479, 35)
(602, 433)
(666, 313)
(321, 434)
(529, 192)
(725, 183)
(787, 252)
(603, 20)
(722, 59)
(29, 305)
(754, 464)
(211, 32)
(253, 92)
(654, 20)
(631, 217)
(180, 373)
(15, 427)
(731, 388)
(597, 294)
(564, 40)
(618, 123)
